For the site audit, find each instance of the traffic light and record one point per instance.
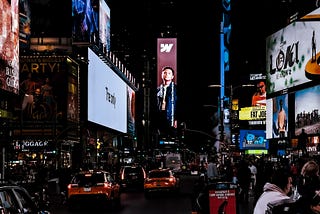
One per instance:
(182, 130)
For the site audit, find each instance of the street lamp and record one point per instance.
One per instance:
(221, 103)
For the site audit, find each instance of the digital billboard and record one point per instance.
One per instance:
(277, 117)
(104, 25)
(166, 56)
(107, 95)
(44, 83)
(9, 46)
(292, 56)
(307, 104)
(85, 21)
(24, 23)
(166, 93)
(131, 101)
(253, 139)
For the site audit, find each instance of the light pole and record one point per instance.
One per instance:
(222, 107)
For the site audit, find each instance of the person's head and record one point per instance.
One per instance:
(167, 75)
(280, 102)
(302, 130)
(283, 179)
(310, 169)
(261, 87)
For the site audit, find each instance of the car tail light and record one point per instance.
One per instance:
(107, 185)
(144, 174)
(72, 185)
(171, 179)
(148, 180)
(122, 175)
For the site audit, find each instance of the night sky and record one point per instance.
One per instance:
(135, 26)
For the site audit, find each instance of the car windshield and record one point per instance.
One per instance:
(159, 174)
(133, 170)
(88, 179)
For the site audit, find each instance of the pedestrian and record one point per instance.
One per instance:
(308, 188)
(244, 179)
(253, 170)
(303, 140)
(278, 188)
(212, 169)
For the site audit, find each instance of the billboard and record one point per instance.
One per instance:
(307, 104)
(167, 86)
(166, 56)
(85, 21)
(44, 83)
(277, 117)
(253, 139)
(292, 56)
(9, 46)
(107, 95)
(104, 25)
(24, 23)
(131, 101)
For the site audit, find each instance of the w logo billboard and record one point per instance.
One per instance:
(166, 56)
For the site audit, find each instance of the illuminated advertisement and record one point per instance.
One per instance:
(107, 95)
(292, 56)
(44, 83)
(73, 94)
(252, 113)
(307, 104)
(85, 21)
(9, 46)
(256, 151)
(104, 25)
(166, 56)
(131, 100)
(253, 139)
(24, 23)
(222, 198)
(277, 117)
(166, 92)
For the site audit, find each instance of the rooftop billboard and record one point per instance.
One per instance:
(292, 56)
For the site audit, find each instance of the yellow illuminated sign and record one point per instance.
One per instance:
(256, 152)
(253, 113)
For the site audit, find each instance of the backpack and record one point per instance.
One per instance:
(283, 206)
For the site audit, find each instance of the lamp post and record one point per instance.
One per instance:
(222, 107)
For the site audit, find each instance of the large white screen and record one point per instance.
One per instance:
(107, 95)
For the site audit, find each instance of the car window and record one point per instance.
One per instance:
(26, 202)
(159, 174)
(110, 179)
(9, 203)
(133, 170)
(88, 179)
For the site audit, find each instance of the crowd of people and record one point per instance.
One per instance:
(271, 184)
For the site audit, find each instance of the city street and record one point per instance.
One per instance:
(134, 202)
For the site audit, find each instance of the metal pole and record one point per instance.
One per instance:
(3, 162)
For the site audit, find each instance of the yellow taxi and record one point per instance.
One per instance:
(160, 180)
(93, 186)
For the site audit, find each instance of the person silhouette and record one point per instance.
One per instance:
(303, 140)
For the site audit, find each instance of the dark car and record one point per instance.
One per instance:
(132, 177)
(16, 199)
(93, 187)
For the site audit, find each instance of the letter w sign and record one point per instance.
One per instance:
(166, 47)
